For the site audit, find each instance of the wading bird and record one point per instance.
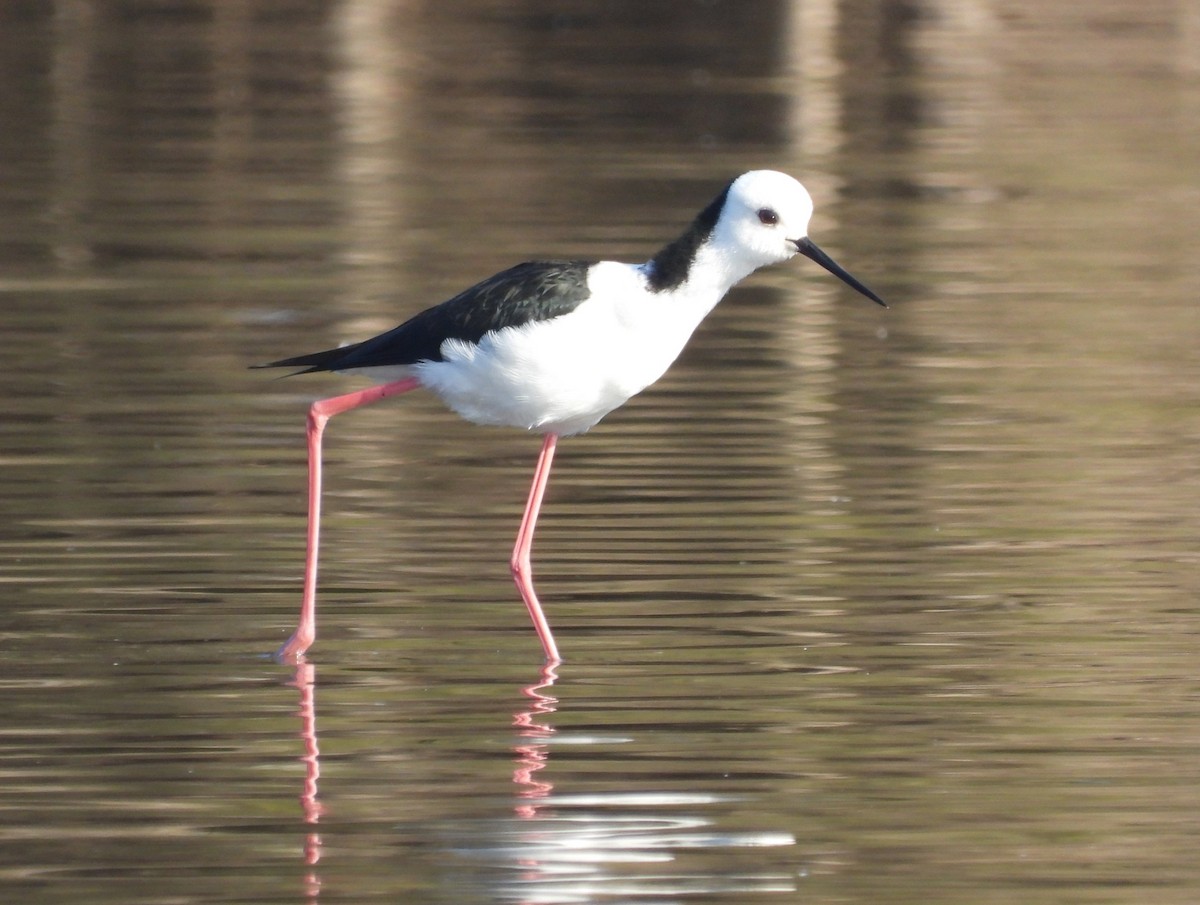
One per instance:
(553, 347)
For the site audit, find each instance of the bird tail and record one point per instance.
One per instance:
(314, 361)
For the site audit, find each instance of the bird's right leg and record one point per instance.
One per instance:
(318, 416)
(522, 568)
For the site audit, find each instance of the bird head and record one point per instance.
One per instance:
(765, 221)
(765, 213)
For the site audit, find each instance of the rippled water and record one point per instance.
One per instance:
(856, 605)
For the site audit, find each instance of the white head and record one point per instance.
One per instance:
(765, 221)
(766, 214)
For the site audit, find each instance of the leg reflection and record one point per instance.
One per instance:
(305, 680)
(533, 751)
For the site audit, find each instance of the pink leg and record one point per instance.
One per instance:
(521, 567)
(318, 416)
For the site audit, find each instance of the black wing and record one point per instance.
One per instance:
(533, 291)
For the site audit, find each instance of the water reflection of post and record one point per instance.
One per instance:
(305, 680)
(533, 753)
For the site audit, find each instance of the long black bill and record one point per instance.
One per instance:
(809, 249)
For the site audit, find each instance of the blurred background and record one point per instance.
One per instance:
(856, 605)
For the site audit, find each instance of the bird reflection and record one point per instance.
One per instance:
(580, 846)
(531, 756)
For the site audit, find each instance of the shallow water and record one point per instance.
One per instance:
(856, 605)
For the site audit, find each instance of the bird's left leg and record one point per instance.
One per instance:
(318, 416)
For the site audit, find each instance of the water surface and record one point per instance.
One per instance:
(856, 605)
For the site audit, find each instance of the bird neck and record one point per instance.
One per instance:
(673, 264)
(695, 267)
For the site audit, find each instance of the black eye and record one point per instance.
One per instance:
(767, 216)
